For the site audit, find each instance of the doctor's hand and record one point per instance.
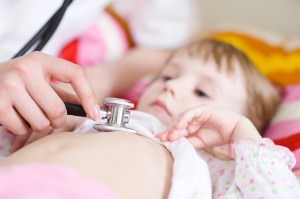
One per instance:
(212, 129)
(29, 101)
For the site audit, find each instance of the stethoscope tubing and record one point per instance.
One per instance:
(45, 32)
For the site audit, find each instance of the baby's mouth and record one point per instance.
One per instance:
(161, 106)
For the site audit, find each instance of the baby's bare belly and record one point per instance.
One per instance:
(131, 165)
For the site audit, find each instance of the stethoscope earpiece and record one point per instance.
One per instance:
(116, 113)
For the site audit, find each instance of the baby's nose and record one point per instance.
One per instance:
(169, 88)
(177, 86)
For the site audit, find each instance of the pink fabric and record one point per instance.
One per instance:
(35, 181)
(297, 155)
(134, 93)
(92, 48)
(291, 93)
(96, 44)
(283, 129)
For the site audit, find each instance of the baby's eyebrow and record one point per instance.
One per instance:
(175, 65)
(172, 66)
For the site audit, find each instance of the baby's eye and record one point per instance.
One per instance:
(200, 93)
(166, 78)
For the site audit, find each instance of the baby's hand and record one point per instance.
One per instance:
(207, 127)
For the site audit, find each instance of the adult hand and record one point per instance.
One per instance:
(207, 127)
(30, 101)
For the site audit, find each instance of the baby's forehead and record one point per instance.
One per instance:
(229, 65)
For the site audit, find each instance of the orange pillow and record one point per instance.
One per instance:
(280, 65)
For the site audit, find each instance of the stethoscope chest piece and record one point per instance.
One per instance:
(116, 112)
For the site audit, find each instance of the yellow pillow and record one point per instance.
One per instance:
(280, 65)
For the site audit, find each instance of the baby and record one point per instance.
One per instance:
(210, 94)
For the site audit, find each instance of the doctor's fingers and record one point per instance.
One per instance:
(39, 106)
(37, 66)
(75, 75)
(17, 108)
(66, 93)
(10, 119)
(33, 113)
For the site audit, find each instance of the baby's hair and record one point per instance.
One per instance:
(262, 97)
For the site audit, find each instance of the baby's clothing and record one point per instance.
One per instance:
(261, 170)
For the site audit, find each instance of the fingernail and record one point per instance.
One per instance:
(96, 112)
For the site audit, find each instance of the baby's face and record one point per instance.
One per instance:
(187, 82)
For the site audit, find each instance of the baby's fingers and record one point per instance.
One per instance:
(196, 142)
(163, 136)
(196, 115)
(171, 135)
(175, 134)
(184, 120)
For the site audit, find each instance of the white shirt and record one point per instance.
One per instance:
(155, 23)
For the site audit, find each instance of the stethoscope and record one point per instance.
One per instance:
(40, 39)
(115, 111)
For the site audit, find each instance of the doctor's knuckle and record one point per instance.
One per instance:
(79, 72)
(9, 85)
(4, 106)
(57, 113)
(22, 68)
(41, 125)
(36, 55)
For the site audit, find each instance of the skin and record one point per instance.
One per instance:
(184, 83)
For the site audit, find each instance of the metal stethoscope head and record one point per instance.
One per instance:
(116, 113)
